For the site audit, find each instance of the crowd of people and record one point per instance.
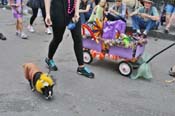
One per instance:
(145, 18)
(57, 14)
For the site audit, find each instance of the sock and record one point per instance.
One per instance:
(18, 32)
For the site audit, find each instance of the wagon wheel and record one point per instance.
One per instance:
(87, 57)
(124, 68)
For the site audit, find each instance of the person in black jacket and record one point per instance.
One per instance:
(59, 13)
(35, 5)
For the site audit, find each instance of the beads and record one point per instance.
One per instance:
(69, 10)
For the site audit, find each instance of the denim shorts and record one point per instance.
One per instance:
(170, 9)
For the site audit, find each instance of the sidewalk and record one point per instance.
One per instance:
(154, 33)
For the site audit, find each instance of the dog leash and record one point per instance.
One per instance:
(49, 72)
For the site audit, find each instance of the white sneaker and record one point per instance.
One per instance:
(31, 29)
(4, 8)
(48, 31)
(23, 36)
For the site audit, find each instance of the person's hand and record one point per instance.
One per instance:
(112, 11)
(48, 20)
(106, 12)
(76, 17)
(144, 15)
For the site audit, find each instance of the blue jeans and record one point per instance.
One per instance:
(84, 17)
(140, 23)
(4, 2)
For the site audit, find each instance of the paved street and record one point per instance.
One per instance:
(109, 94)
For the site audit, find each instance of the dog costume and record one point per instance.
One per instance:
(37, 79)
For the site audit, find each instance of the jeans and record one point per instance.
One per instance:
(84, 17)
(139, 23)
(4, 2)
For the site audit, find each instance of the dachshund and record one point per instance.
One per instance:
(38, 80)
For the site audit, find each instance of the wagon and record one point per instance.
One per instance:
(112, 48)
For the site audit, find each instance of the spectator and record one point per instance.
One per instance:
(170, 14)
(86, 7)
(145, 17)
(117, 11)
(98, 12)
(35, 5)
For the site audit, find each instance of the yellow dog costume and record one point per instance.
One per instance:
(38, 80)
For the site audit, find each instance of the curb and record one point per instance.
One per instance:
(158, 34)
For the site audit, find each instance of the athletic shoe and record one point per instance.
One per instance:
(51, 64)
(85, 72)
(31, 29)
(48, 31)
(23, 36)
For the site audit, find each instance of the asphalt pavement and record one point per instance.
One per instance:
(109, 94)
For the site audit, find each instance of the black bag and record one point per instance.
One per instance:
(33, 3)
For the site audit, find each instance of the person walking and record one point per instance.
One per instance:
(36, 5)
(59, 13)
(17, 9)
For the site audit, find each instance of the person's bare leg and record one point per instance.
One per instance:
(170, 21)
(20, 24)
